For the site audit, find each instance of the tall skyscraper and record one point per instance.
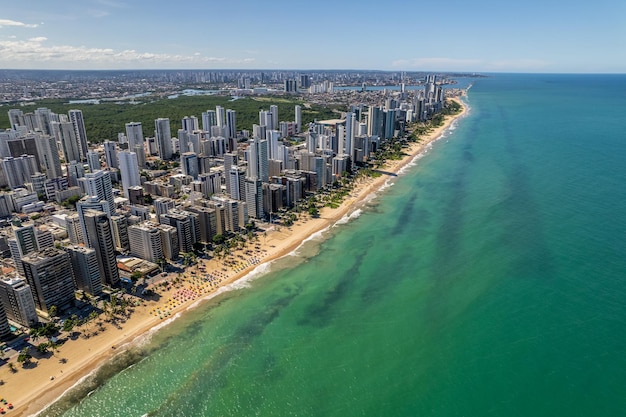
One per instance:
(189, 164)
(254, 197)
(298, 111)
(86, 269)
(221, 116)
(65, 133)
(230, 160)
(120, 233)
(110, 154)
(375, 121)
(129, 169)
(350, 130)
(19, 170)
(163, 205)
(98, 184)
(231, 124)
(272, 140)
(187, 227)
(266, 119)
(258, 160)
(15, 117)
(274, 111)
(163, 136)
(145, 241)
(100, 237)
(190, 124)
(49, 274)
(93, 160)
(5, 328)
(134, 133)
(23, 242)
(76, 118)
(209, 119)
(75, 172)
(17, 299)
(49, 156)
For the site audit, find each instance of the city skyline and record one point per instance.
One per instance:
(482, 36)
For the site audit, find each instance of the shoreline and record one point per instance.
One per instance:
(32, 390)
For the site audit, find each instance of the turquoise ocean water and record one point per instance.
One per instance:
(488, 280)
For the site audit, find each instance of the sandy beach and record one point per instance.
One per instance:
(31, 389)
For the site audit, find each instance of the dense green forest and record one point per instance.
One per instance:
(105, 120)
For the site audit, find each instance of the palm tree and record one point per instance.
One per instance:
(25, 357)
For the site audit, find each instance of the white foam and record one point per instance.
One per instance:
(345, 219)
(388, 183)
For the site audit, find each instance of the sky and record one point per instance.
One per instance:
(550, 36)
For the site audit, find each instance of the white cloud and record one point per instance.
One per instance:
(111, 3)
(8, 22)
(98, 13)
(35, 52)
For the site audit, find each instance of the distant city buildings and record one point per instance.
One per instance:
(157, 198)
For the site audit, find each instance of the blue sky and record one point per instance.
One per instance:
(480, 35)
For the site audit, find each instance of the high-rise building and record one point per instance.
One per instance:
(74, 227)
(49, 274)
(189, 164)
(375, 121)
(272, 137)
(86, 269)
(298, 111)
(24, 241)
(78, 123)
(305, 81)
(134, 134)
(258, 160)
(221, 116)
(93, 160)
(186, 225)
(206, 222)
(230, 160)
(163, 136)
(49, 156)
(120, 233)
(129, 169)
(145, 241)
(254, 198)
(5, 328)
(65, 133)
(163, 205)
(209, 119)
(389, 124)
(19, 170)
(169, 241)
(231, 127)
(16, 117)
(190, 124)
(98, 184)
(88, 202)
(110, 154)
(17, 299)
(75, 171)
(291, 86)
(274, 111)
(350, 130)
(100, 237)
